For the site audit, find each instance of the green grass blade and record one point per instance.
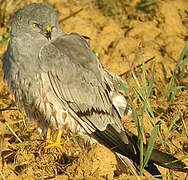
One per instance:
(151, 143)
(172, 124)
(143, 71)
(145, 3)
(182, 73)
(4, 37)
(150, 86)
(171, 93)
(135, 115)
(179, 159)
(151, 81)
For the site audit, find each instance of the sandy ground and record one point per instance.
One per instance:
(116, 32)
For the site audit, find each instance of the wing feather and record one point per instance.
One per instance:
(76, 77)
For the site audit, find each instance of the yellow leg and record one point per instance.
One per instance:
(56, 143)
(48, 135)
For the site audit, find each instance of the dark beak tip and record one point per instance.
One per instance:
(48, 35)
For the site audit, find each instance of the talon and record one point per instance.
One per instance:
(51, 143)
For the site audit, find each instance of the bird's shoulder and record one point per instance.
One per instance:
(73, 75)
(72, 48)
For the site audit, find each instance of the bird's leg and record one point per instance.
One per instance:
(48, 136)
(56, 143)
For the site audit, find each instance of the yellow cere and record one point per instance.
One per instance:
(48, 28)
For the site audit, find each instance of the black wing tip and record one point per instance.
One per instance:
(176, 166)
(114, 141)
(168, 161)
(185, 170)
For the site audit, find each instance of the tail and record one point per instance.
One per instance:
(157, 157)
(126, 144)
(160, 158)
(134, 167)
(166, 160)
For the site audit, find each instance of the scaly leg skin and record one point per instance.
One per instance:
(48, 136)
(51, 143)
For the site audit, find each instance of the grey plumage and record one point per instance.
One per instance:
(62, 85)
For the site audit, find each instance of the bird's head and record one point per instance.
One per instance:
(37, 20)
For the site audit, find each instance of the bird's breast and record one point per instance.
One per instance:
(41, 104)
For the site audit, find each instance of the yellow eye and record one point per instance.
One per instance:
(35, 25)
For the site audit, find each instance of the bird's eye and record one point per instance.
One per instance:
(35, 25)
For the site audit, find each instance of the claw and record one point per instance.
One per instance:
(51, 143)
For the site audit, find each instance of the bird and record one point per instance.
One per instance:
(62, 85)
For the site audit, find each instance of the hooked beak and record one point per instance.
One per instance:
(48, 32)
